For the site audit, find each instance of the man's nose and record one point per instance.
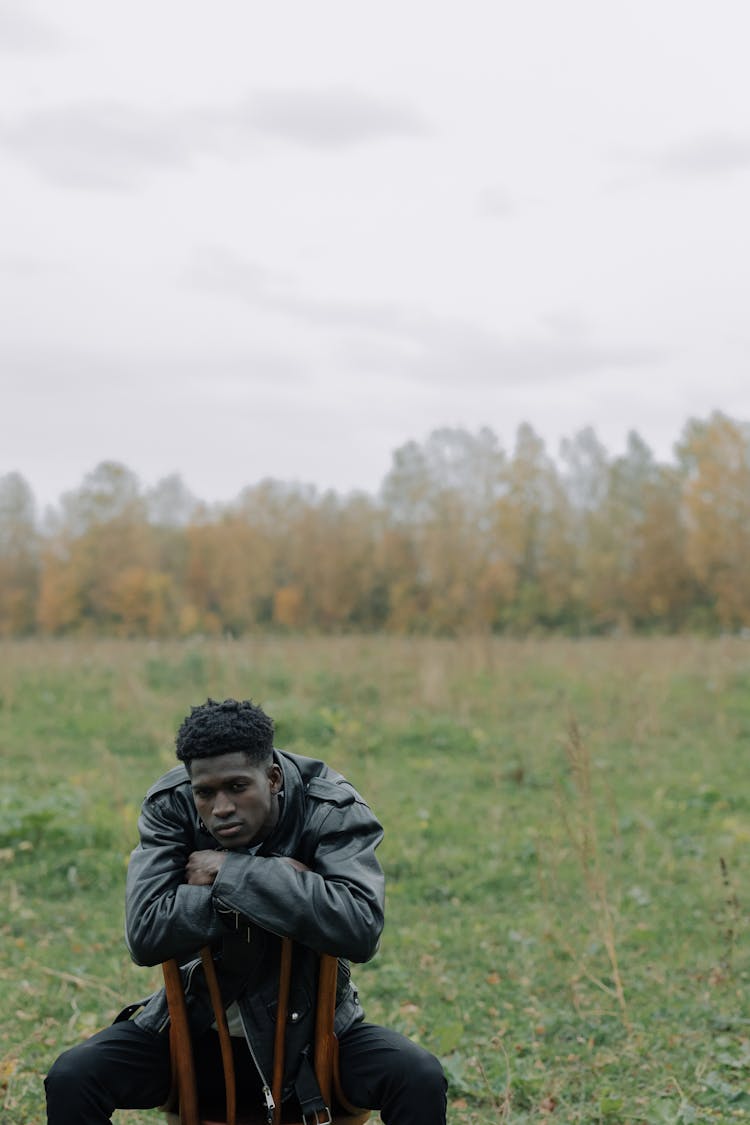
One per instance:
(223, 805)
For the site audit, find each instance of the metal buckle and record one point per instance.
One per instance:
(315, 1118)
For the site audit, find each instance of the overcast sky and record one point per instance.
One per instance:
(248, 239)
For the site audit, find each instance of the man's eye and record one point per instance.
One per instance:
(202, 794)
(239, 787)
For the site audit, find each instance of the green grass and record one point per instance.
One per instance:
(559, 928)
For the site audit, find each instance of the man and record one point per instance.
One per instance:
(239, 845)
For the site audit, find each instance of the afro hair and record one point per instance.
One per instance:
(224, 727)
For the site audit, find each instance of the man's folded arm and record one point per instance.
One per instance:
(336, 907)
(165, 916)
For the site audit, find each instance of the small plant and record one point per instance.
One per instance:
(579, 818)
(52, 818)
(730, 920)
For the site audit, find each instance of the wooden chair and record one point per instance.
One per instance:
(183, 1107)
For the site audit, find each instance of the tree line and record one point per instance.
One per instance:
(462, 537)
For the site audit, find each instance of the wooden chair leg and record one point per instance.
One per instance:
(326, 1043)
(180, 1046)
(225, 1040)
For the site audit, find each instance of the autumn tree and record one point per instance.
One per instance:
(341, 569)
(223, 583)
(463, 537)
(630, 546)
(278, 513)
(439, 499)
(170, 507)
(100, 570)
(714, 458)
(532, 538)
(586, 479)
(19, 556)
(651, 579)
(629, 572)
(245, 560)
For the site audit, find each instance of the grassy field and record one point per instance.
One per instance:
(567, 851)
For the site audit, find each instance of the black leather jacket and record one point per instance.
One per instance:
(336, 907)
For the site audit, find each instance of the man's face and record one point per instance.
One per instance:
(236, 800)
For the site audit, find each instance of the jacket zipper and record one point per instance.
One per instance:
(267, 1095)
(268, 1099)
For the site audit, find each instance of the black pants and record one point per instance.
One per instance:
(125, 1067)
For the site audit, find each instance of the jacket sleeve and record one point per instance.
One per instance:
(335, 907)
(165, 916)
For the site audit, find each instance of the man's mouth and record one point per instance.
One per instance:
(228, 830)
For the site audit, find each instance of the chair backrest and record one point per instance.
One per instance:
(183, 1107)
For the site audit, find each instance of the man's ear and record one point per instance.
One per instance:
(276, 777)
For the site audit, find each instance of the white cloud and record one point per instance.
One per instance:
(496, 202)
(711, 154)
(109, 145)
(21, 31)
(396, 342)
(101, 146)
(332, 118)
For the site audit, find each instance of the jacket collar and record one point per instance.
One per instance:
(285, 836)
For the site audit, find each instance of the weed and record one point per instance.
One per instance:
(730, 921)
(579, 814)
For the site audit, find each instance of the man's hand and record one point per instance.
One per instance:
(203, 867)
(297, 864)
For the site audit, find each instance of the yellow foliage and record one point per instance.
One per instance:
(288, 604)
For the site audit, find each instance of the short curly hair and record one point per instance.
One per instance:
(222, 727)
